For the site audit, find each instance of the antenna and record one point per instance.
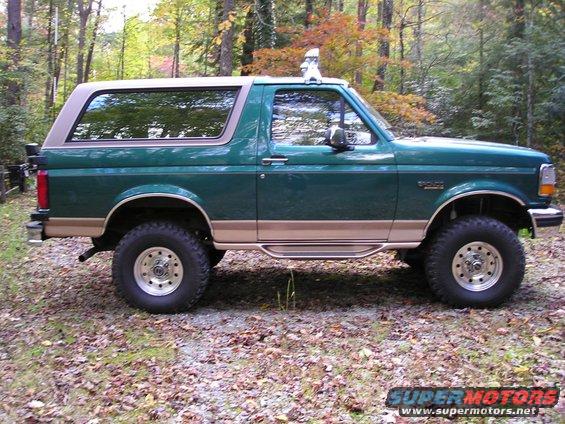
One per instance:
(310, 67)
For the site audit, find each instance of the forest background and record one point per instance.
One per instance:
(487, 69)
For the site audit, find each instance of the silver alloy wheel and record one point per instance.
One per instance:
(158, 271)
(477, 266)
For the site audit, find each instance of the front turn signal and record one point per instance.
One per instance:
(547, 180)
(546, 190)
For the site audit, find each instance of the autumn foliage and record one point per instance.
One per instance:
(339, 39)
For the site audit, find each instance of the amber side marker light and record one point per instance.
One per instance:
(546, 180)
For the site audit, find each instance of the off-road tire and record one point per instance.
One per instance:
(468, 229)
(215, 256)
(190, 251)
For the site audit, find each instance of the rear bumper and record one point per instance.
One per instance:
(546, 222)
(34, 233)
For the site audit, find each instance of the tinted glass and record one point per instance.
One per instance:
(301, 117)
(156, 115)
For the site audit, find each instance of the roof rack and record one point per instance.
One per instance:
(310, 67)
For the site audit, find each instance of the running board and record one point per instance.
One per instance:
(318, 250)
(323, 251)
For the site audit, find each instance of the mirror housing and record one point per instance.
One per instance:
(336, 139)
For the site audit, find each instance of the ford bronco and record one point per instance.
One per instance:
(171, 173)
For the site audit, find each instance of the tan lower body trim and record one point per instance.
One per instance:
(402, 231)
(324, 230)
(71, 227)
(235, 231)
(245, 231)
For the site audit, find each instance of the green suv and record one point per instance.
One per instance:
(171, 173)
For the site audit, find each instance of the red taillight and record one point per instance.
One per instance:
(42, 190)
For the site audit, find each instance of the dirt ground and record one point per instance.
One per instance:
(71, 351)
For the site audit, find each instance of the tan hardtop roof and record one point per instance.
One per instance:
(157, 83)
(83, 92)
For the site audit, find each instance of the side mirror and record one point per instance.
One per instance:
(335, 138)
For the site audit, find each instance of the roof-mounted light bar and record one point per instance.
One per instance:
(310, 67)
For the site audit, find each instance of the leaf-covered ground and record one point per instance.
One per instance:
(70, 350)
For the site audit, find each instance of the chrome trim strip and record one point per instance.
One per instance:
(145, 195)
(323, 230)
(74, 227)
(467, 194)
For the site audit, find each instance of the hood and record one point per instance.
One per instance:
(456, 151)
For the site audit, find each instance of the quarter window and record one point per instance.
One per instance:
(301, 118)
(156, 115)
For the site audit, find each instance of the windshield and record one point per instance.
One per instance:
(383, 123)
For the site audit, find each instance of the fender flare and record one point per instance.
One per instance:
(171, 192)
(468, 194)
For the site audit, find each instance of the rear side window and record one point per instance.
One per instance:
(156, 115)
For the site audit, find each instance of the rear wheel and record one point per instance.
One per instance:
(475, 261)
(160, 267)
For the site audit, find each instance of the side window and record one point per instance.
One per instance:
(156, 115)
(301, 118)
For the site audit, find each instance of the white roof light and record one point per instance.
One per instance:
(310, 67)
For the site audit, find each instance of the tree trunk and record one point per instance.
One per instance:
(50, 46)
(309, 13)
(362, 8)
(518, 19)
(122, 57)
(340, 5)
(84, 13)
(62, 55)
(249, 43)
(175, 69)
(13, 42)
(265, 34)
(214, 51)
(419, 38)
(90, 53)
(401, 28)
(481, 78)
(384, 48)
(530, 94)
(226, 48)
(31, 15)
(517, 34)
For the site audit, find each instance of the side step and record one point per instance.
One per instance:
(321, 251)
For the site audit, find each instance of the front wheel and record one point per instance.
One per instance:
(475, 261)
(160, 267)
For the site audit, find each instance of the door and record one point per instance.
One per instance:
(308, 191)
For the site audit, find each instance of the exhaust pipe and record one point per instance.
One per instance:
(88, 254)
